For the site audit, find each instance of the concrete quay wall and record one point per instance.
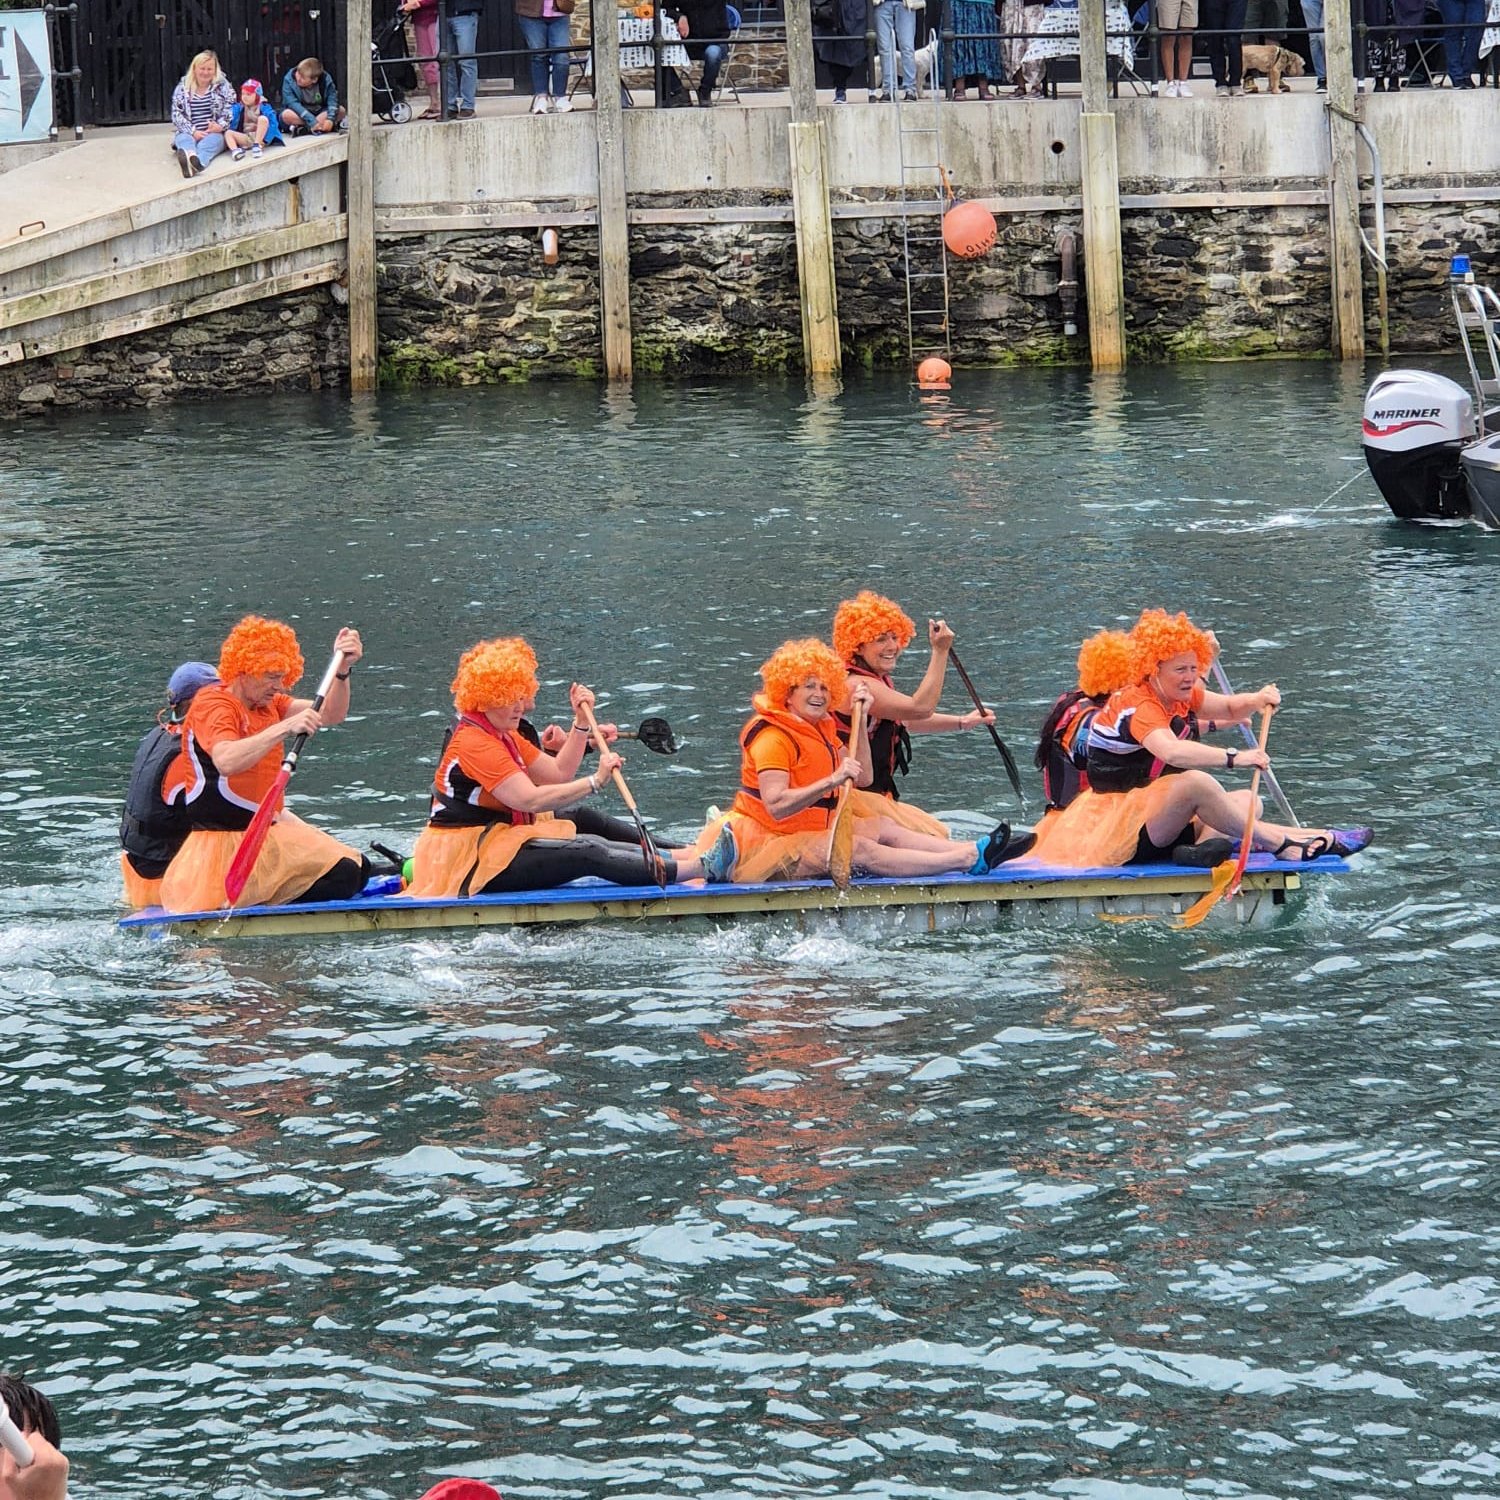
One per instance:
(1225, 231)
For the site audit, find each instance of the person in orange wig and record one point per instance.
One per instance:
(1150, 793)
(493, 824)
(792, 767)
(231, 751)
(869, 633)
(1106, 663)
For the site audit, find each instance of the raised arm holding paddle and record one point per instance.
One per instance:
(230, 778)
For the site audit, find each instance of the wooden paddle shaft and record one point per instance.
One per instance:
(597, 736)
(1248, 835)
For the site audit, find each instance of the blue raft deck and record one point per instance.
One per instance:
(931, 903)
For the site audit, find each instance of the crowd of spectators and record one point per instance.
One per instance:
(895, 47)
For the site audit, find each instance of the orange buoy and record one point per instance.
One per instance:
(969, 230)
(933, 374)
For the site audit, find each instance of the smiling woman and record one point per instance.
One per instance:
(869, 633)
(793, 764)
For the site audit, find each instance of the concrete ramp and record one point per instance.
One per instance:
(107, 238)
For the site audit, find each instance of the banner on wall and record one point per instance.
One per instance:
(25, 76)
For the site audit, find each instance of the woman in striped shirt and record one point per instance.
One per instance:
(201, 106)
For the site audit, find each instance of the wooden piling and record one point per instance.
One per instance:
(614, 226)
(360, 197)
(1103, 257)
(807, 146)
(1345, 250)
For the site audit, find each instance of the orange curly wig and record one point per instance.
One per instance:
(1158, 636)
(1106, 663)
(258, 645)
(494, 674)
(859, 620)
(795, 662)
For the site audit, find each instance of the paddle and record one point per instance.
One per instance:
(841, 835)
(1221, 681)
(1011, 769)
(1227, 876)
(655, 865)
(654, 734)
(13, 1442)
(260, 825)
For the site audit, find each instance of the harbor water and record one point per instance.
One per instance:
(749, 1211)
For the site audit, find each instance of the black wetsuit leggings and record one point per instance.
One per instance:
(543, 863)
(342, 883)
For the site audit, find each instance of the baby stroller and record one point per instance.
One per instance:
(391, 75)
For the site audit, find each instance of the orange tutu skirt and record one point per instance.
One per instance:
(450, 862)
(139, 892)
(294, 855)
(765, 855)
(1097, 829)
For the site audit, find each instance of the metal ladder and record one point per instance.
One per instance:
(925, 256)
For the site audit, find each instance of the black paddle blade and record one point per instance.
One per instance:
(656, 734)
(1011, 769)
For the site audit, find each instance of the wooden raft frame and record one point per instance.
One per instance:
(932, 903)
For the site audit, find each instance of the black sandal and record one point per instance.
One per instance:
(1307, 850)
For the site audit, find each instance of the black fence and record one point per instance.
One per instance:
(132, 53)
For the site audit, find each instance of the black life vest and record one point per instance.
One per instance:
(1122, 773)
(152, 831)
(890, 743)
(1062, 751)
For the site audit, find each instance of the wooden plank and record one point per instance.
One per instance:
(817, 286)
(359, 195)
(614, 223)
(1103, 256)
(801, 64)
(296, 159)
(83, 334)
(168, 271)
(1345, 258)
(930, 903)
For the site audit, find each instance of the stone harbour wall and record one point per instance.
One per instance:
(474, 307)
(298, 342)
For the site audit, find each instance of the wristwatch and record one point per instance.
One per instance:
(1229, 756)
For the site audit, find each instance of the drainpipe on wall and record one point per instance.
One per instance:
(1067, 281)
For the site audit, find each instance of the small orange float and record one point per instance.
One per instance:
(934, 374)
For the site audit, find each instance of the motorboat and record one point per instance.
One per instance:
(1434, 448)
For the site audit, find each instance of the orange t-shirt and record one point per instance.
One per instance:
(215, 715)
(1118, 758)
(474, 763)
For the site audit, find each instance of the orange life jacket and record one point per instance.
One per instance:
(816, 753)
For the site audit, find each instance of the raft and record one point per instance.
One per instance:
(930, 903)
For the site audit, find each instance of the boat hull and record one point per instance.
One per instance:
(928, 904)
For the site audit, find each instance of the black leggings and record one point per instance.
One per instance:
(543, 863)
(343, 882)
(601, 825)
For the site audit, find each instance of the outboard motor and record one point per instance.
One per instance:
(1415, 425)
